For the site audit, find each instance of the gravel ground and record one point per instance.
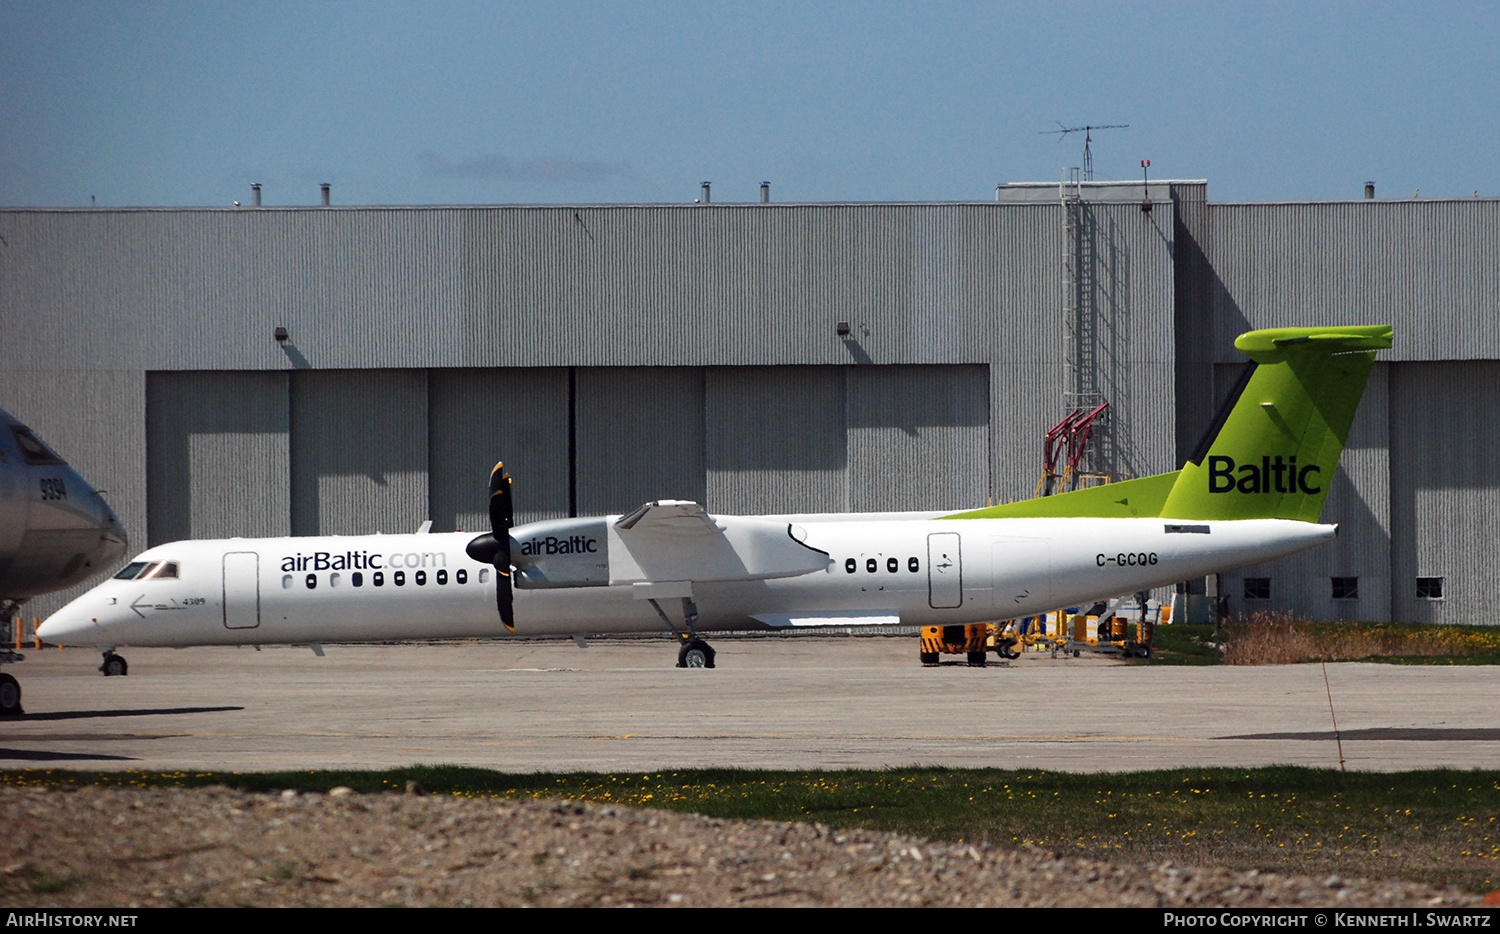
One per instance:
(98, 848)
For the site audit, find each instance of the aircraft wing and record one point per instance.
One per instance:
(676, 540)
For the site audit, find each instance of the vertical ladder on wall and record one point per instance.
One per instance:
(1083, 403)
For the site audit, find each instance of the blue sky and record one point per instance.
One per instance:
(164, 103)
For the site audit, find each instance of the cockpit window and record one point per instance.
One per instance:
(32, 448)
(148, 570)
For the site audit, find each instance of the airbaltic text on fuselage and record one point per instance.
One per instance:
(362, 560)
(551, 545)
(1272, 476)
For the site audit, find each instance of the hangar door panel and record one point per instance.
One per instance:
(216, 455)
(919, 437)
(358, 451)
(640, 437)
(775, 439)
(481, 416)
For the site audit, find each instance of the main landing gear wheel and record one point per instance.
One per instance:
(114, 666)
(695, 653)
(10, 697)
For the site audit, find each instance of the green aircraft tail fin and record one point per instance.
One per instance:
(1273, 450)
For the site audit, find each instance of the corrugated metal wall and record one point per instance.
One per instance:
(586, 286)
(1429, 268)
(426, 343)
(1445, 484)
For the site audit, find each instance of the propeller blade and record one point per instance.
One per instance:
(500, 508)
(503, 598)
(501, 520)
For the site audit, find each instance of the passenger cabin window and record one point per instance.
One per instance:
(851, 565)
(461, 576)
(357, 579)
(913, 565)
(892, 564)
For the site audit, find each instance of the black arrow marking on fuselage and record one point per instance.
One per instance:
(151, 606)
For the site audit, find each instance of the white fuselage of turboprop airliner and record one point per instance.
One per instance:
(912, 568)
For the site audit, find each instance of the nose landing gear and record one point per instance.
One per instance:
(114, 665)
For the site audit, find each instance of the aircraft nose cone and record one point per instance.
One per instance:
(68, 629)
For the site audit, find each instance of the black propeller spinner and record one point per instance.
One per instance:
(493, 547)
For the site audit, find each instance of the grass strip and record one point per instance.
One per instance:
(1279, 639)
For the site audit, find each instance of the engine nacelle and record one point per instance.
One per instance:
(561, 553)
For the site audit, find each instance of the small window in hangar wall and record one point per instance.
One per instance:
(1429, 588)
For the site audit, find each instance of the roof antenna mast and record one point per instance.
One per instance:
(1087, 131)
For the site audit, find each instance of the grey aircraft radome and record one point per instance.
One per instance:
(55, 531)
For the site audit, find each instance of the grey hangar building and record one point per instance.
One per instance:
(266, 371)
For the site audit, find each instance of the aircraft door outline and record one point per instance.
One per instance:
(241, 590)
(945, 576)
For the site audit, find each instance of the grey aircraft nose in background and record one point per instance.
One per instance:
(55, 530)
